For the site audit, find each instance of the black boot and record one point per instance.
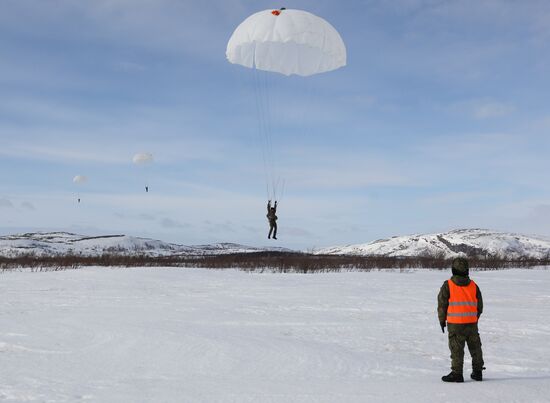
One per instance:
(477, 375)
(453, 377)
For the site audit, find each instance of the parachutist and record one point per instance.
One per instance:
(143, 160)
(272, 218)
(79, 180)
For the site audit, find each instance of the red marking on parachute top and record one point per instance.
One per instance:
(275, 12)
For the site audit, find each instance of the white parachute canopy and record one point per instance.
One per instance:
(79, 179)
(287, 42)
(143, 158)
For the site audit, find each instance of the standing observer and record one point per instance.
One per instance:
(459, 306)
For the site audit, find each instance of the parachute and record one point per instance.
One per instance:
(144, 159)
(79, 180)
(287, 42)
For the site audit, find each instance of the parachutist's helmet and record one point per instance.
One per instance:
(460, 267)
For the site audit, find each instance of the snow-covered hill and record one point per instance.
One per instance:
(451, 244)
(59, 243)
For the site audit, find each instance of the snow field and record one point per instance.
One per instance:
(191, 335)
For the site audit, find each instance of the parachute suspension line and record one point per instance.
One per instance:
(283, 55)
(271, 115)
(265, 129)
(259, 121)
(261, 129)
(264, 92)
(282, 195)
(269, 138)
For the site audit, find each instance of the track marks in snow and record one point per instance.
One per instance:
(222, 336)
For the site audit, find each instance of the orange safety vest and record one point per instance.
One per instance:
(462, 303)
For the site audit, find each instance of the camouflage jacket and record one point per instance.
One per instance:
(271, 213)
(444, 295)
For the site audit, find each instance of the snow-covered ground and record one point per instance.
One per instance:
(190, 335)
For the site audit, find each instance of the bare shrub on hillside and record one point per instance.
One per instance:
(282, 262)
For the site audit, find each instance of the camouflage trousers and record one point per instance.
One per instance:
(459, 335)
(272, 229)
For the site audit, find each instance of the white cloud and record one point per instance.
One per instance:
(5, 203)
(27, 205)
(129, 67)
(297, 232)
(489, 110)
(345, 168)
(538, 218)
(483, 108)
(167, 25)
(461, 197)
(63, 153)
(170, 223)
(146, 217)
(51, 142)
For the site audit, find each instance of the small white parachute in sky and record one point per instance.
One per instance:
(287, 42)
(79, 179)
(143, 158)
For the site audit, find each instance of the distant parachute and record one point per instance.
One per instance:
(288, 42)
(79, 180)
(144, 159)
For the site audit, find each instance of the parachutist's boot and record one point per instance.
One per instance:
(477, 375)
(453, 377)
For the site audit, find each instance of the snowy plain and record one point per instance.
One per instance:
(196, 335)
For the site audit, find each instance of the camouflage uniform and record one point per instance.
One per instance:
(272, 218)
(461, 334)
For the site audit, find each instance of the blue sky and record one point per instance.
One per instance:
(441, 120)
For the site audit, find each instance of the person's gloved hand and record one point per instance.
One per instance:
(442, 324)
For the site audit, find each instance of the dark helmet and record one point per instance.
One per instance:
(460, 267)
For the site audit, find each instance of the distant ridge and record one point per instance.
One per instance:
(64, 243)
(462, 242)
